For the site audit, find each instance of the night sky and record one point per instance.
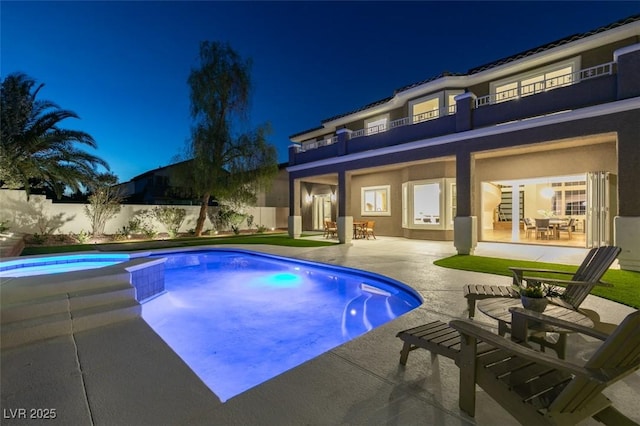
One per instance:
(123, 66)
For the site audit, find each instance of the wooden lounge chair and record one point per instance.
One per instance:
(436, 337)
(536, 388)
(588, 275)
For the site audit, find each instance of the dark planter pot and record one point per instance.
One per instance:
(537, 304)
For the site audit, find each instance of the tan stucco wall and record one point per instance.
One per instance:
(580, 159)
(392, 225)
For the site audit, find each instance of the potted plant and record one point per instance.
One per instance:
(534, 295)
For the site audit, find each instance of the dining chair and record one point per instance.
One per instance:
(568, 228)
(330, 229)
(529, 226)
(368, 231)
(542, 228)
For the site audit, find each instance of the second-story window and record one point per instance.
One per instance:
(433, 106)
(376, 125)
(536, 81)
(426, 110)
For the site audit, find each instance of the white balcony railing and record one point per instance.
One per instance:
(516, 93)
(305, 146)
(545, 85)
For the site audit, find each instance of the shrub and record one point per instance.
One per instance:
(39, 238)
(171, 217)
(104, 203)
(82, 236)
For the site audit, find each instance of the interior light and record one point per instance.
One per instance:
(547, 192)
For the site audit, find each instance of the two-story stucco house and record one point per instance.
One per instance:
(553, 131)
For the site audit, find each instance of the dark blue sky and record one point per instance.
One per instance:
(123, 66)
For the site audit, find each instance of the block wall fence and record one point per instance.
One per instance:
(28, 216)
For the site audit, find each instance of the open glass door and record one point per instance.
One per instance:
(601, 204)
(321, 211)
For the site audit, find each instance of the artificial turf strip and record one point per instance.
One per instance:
(626, 284)
(269, 239)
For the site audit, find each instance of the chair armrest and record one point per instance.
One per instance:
(518, 273)
(468, 328)
(567, 282)
(516, 269)
(522, 313)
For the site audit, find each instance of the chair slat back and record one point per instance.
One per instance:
(593, 267)
(542, 223)
(621, 352)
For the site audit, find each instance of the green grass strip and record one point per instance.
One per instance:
(626, 284)
(269, 239)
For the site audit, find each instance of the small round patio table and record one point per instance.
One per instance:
(498, 308)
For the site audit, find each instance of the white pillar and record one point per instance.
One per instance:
(345, 229)
(515, 211)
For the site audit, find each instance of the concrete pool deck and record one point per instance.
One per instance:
(124, 374)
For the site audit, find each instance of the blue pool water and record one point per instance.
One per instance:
(239, 318)
(58, 264)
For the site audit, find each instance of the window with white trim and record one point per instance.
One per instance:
(536, 81)
(429, 204)
(433, 106)
(376, 124)
(374, 201)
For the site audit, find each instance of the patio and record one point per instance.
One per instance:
(124, 374)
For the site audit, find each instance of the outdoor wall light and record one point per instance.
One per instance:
(308, 198)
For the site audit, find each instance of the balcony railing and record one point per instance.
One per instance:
(545, 85)
(317, 144)
(516, 93)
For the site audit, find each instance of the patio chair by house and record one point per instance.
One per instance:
(587, 276)
(568, 228)
(542, 229)
(368, 230)
(330, 229)
(536, 388)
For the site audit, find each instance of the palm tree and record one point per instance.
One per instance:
(33, 146)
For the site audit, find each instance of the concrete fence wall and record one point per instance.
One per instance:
(40, 215)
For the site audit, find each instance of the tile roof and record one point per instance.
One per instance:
(485, 67)
(553, 44)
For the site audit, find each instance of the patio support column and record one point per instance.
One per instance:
(465, 226)
(343, 138)
(626, 225)
(345, 219)
(295, 219)
(464, 111)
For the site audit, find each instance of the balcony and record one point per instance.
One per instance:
(584, 88)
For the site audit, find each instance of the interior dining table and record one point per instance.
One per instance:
(555, 223)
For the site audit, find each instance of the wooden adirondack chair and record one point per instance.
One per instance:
(539, 389)
(588, 275)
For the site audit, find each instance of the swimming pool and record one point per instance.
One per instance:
(26, 267)
(239, 318)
